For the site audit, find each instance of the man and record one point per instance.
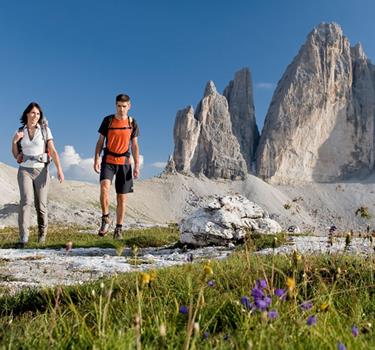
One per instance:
(120, 133)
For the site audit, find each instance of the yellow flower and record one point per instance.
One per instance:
(145, 278)
(208, 270)
(291, 283)
(152, 275)
(296, 257)
(324, 307)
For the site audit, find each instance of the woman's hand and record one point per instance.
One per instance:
(60, 175)
(19, 158)
(18, 136)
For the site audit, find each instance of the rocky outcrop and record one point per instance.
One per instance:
(320, 124)
(186, 132)
(226, 219)
(239, 94)
(219, 138)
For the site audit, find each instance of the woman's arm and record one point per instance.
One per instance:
(16, 154)
(56, 159)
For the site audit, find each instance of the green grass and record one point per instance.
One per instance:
(58, 235)
(125, 313)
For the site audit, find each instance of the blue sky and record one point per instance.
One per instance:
(74, 56)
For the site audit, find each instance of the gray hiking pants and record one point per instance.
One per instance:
(33, 184)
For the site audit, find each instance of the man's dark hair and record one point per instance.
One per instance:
(122, 98)
(28, 109)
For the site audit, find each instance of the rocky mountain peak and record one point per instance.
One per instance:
(219, 138)
(320, 123)
(358, 52)
(210, 89)
(327, 33)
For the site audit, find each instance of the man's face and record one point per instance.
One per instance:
(122, 108)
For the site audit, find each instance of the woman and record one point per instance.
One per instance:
(31, 146)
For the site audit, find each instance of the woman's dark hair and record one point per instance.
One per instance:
(23, 119)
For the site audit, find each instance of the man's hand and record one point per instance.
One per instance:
(97, 166)
(136, 172)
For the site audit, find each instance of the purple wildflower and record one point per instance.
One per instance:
(341, 346)
(355, 331)
(257, 293)
(261, 304)
(206, 335)
(273, 314)
(267, 300)
(311, 321)
(183, 310)
(261, 284)
(245, 301)
(306, 305)
(281, 293)
(211, 283)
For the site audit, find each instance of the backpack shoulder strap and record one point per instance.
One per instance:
(45, 136)
(19, 146)
(110, 120)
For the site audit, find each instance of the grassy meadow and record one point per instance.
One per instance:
(247, 301)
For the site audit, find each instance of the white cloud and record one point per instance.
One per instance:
(81, 169)
(159, 165)
(77, 168)
(265, 85)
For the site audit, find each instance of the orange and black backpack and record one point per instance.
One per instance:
(106, 150)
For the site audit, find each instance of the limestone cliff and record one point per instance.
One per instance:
(320, 124)
(239, 94)
(219, 138)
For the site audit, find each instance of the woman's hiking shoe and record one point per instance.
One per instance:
(104, 227)
(42, 237)
(118, 233)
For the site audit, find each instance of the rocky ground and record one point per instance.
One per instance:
(48, 267)
(312, 207)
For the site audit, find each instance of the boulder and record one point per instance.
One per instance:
(224, 220)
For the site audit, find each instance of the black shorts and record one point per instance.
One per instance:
(124, 178)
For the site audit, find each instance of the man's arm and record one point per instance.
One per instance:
(135, 154)
(98, 150)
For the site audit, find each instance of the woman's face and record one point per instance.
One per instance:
(33, 117)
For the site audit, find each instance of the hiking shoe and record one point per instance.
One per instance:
(104, 227)
(42, 238)
(118, 233)
(20, 245)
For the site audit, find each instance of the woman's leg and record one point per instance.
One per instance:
(25, 184)
(41, 185)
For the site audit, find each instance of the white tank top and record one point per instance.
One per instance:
(34, 147)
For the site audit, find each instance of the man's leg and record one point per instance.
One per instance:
(105, 186)
(121, 208)
(120, 211)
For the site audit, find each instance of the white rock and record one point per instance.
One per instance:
(225, 219)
